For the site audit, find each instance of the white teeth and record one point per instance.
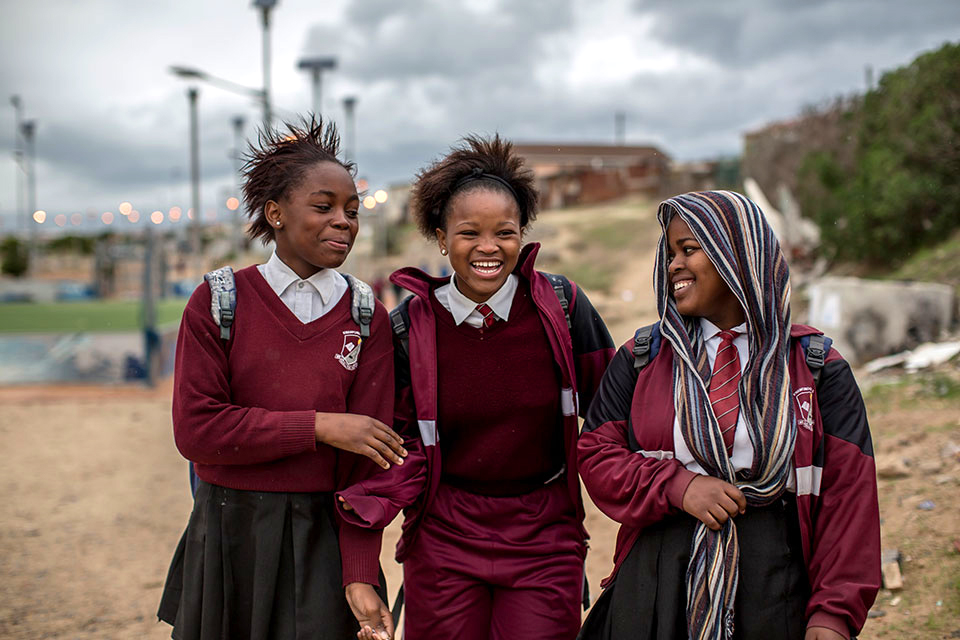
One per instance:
(486, 265)
(680, 285)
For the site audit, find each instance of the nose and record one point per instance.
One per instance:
(340, 220)
(487, 244)
(675, 264)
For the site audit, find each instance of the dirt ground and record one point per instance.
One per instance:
(95, 497)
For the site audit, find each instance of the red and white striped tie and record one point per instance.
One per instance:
(725, 388)
(487, 313)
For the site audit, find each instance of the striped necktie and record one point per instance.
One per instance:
(725, 387)
(487, 313)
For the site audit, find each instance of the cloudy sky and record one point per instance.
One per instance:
(690, 75)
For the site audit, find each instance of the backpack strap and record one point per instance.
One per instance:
(561, 286)
(815, 349)
(400, 323)
(223, 298)
(361, 304)
(646, 344)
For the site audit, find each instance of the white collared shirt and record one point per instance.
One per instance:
(742, 457)
(463, 309)
(308, 299)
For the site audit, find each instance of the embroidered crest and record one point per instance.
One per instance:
(350, 351)
(804, 399)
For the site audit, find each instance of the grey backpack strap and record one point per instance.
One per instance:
(361, 304)
(223, 298)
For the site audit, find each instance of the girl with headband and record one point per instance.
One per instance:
(746, 491)
(492, 366)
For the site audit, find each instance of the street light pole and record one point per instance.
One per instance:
(349, 107)
(22, 216)
(192, 95)
(316, 67)
(238, 122)
(265, 6)
(28, 128)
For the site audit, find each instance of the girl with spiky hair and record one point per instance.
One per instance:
(491, 362)
(733, 448)
(280, 412)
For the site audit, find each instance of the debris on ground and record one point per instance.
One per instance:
(890, 567)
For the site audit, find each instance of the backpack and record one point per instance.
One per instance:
(223, 306)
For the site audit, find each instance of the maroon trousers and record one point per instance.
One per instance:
(496, 568)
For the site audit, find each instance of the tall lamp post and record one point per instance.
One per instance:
(22, 216)
(316, 67)
(28, 128)
(349, 108)
(265, 6)
(238, 122)
(193, 95)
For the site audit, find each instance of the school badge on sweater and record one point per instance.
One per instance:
(350, 351)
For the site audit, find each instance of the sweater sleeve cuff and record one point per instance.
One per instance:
(829, 621)
(298, 432)
(360, 554)
(366, 512)
(677, 485)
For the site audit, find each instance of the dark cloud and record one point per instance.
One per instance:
(743, 33)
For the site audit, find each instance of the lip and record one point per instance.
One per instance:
(339, 245)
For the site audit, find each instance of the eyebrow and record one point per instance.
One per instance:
(331, 194)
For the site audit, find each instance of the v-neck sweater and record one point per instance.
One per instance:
(498, 402)
(244, 409)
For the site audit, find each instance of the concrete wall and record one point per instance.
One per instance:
(871, 318)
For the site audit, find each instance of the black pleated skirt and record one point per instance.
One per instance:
(258, 566)
(647, 600)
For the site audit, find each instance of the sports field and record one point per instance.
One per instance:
(68, 317)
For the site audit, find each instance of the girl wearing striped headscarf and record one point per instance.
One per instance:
(745, 485)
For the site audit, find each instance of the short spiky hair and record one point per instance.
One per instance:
(277, 164)
(435, 186)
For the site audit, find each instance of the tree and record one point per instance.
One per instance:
(898, 190)
(14, 257)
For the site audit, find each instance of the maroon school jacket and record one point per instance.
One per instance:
(581, 352)
(833, 462)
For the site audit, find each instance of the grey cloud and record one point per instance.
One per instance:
(744, 34)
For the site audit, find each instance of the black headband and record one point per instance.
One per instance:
(477, 174)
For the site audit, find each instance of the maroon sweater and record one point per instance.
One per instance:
(244, 410)
(501, 429)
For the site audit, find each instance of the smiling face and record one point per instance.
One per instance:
(316, 222)
(694, 282)
(482, 235)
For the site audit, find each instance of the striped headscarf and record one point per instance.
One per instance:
(736, 237)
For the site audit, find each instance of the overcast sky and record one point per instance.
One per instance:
(691, 75)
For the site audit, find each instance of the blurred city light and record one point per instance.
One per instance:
(39, 216)
(60, 220)
(190, 213)
(362, 184)
(233, 204)
(125, 208)
(156, 217)
(380, 196)
(107, 217)
(175, 213)
(76, 218)
(369, 202)
(134, 216)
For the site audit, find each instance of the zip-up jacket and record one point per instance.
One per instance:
(581, 353)
(637, 481)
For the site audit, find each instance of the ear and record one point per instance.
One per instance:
(442, 240)
(271, 211)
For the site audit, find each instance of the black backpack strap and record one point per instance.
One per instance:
(362, 303)
(400, 323)
(223, 298)
(816, 355)
(563, 289)
(643, 346)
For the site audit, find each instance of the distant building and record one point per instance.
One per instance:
(571, 174)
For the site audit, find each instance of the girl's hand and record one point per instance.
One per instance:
(360, 434)
(346, 505)
(822, 633)
(376, 622)
(713, 501)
